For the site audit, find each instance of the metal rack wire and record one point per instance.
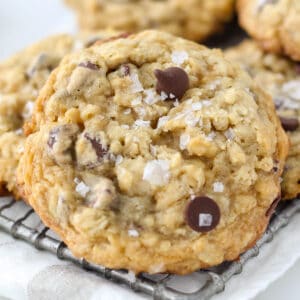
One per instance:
(19, 220)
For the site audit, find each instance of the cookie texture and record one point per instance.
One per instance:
(281, 77)
(135, 172)
(192, 19)
(21, 78)
(273, 23)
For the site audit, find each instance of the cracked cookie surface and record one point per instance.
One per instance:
(273, 23)
(154, 154)
(21, 78)
(192, 19)
(281, 77)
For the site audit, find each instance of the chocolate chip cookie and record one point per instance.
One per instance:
(275, 24)
(21, 78)
(154, 154)
(281, 77)
(192, 19)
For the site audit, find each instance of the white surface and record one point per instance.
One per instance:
(24, 270)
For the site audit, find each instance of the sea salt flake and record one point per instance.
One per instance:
(191, 120)
(179, 57)
(131, 276)
(141, 123)
(19, 131)
(292, 89)
(162, 121)
(206, 103)
(28, 109)
(218, 187)
(136, 101)
(150, 96)
(156, 172)
(183, 141)
(172, 96)
(153, 150)
(136, 86)
(176, 103)
(119, 159)
(229, 134)
(127, 111)
(211, 136)
(81, 187)
(133, 233)
(197, 106)
(205, 220)
(163, 96)
(124, 126)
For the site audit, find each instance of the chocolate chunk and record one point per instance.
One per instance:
(297, 68)
(98, 147)
(173, 81)
(273, 206)
(89, 65)
(202, 214)
(289, 124)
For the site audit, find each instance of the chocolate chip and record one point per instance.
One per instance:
(172, 81)
(273, 206)
(297, 68)
(289, 124)
(202, 214)
(89, 65)
(98, 147)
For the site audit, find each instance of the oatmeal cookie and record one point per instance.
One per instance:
(275, 24)
(21, 78)
(281, 77)
(192, 19)
(155, 154)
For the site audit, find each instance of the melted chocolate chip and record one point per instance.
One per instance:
(100, 151)
(289, 124)
(89, 65)
(172, 81)
(273, 206)
(202, 214)
(297, 68)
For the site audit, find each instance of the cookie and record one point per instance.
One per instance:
(153, 153)
(21, 78)
(273, 23)
(281, 77)
(192, 19)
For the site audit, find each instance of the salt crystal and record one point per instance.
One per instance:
(191, 120)
(229, 134)
(131, 276)
(197, 106)
(179, 57)
(133, 233)
(124, 126)
(183, 141)
(150, 96)
(172, 96)
(211, 136)
(119, 159)
(156, 172)
(292, 88)
(218, 187)
(176, 103)
(136, 101)
(127, 111)
(206, 103)
(162, 121)
(19, 131)
(28, 109)
(136, 86)
(81, 187)
(153, 150)
(205, 220)
(163, 96)
(141, 123)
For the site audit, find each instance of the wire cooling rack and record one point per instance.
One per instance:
(19, 220)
